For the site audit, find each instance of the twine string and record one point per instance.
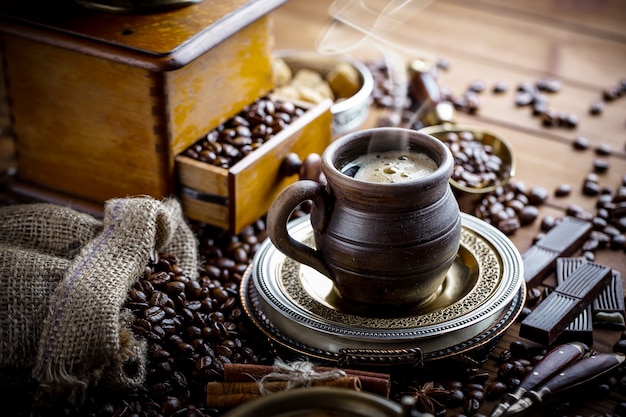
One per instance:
(299, 374)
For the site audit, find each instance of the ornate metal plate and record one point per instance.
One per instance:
(297, 306)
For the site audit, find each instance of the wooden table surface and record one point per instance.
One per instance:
(582, 43)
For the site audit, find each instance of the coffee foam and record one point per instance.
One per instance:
(391, 166)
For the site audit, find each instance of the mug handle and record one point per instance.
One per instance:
(278, 218)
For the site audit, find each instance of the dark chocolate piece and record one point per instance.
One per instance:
(563, 239)
(581, 328)
(608, 308)
(550, 318)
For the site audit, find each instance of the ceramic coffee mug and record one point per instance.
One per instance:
(383, 244)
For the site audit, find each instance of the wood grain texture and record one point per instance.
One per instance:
(150, 41)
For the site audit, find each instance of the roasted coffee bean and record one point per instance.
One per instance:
(591, 188)
(154, 314)
(476, 165)
(601, 165)
(528, 215)
(518, 349)
(563, 190)
(159, 278)
(500, 87)
(137, 295)
(596, 108)
(603, 149)
(456, 397)
(581, 143)
(524, 98)
(495, 390)
(505, 370)
(476, 394)
(549, 85)
(537, 195)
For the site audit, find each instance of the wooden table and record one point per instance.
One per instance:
(581, 43)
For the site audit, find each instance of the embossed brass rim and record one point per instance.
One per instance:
(329, 329)
(474, 349)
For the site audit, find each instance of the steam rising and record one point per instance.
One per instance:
(371, 24)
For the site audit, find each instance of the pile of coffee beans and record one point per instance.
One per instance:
(257, 123)
(192, 328)
(511, 206)
(475, 163)
(387, 93)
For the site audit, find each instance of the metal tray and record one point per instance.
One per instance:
(297, 307)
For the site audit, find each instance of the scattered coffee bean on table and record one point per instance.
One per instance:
(509, 207)
(563, 190)
(581, 143)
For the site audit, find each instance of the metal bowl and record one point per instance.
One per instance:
(501, 147)
(348, 114)
(135, 6)
(318, 401)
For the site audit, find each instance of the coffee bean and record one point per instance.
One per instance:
(477, 86)
(603, 149)
(563, 190)
(596, 108)
(500, 87)
(600, 165)
(518, 349)
(581, 143)
(528, 215)
(495, 390)
(591, 188)
(537, 195)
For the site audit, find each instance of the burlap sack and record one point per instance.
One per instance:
(67, 276)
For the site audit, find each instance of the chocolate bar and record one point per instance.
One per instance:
(550, 318)
(607, 310)
(581, 328)
(563, 239)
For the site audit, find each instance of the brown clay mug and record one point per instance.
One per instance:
(384, 245)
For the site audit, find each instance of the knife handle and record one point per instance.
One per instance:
(583, 370)
(554, 361)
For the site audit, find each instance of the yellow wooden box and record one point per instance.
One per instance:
(102, 103)
(236, 197)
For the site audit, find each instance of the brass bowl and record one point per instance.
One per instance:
(349, 113)
(135, 6)
(318, 402)
(501, 147)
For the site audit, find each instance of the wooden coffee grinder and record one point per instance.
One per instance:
(102, 103)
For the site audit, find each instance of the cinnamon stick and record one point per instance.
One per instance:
(374, 382)
(229, 394)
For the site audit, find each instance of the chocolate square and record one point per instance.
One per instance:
(552, 316)
(563, 239)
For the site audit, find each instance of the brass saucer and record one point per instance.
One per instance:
(298, 308)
